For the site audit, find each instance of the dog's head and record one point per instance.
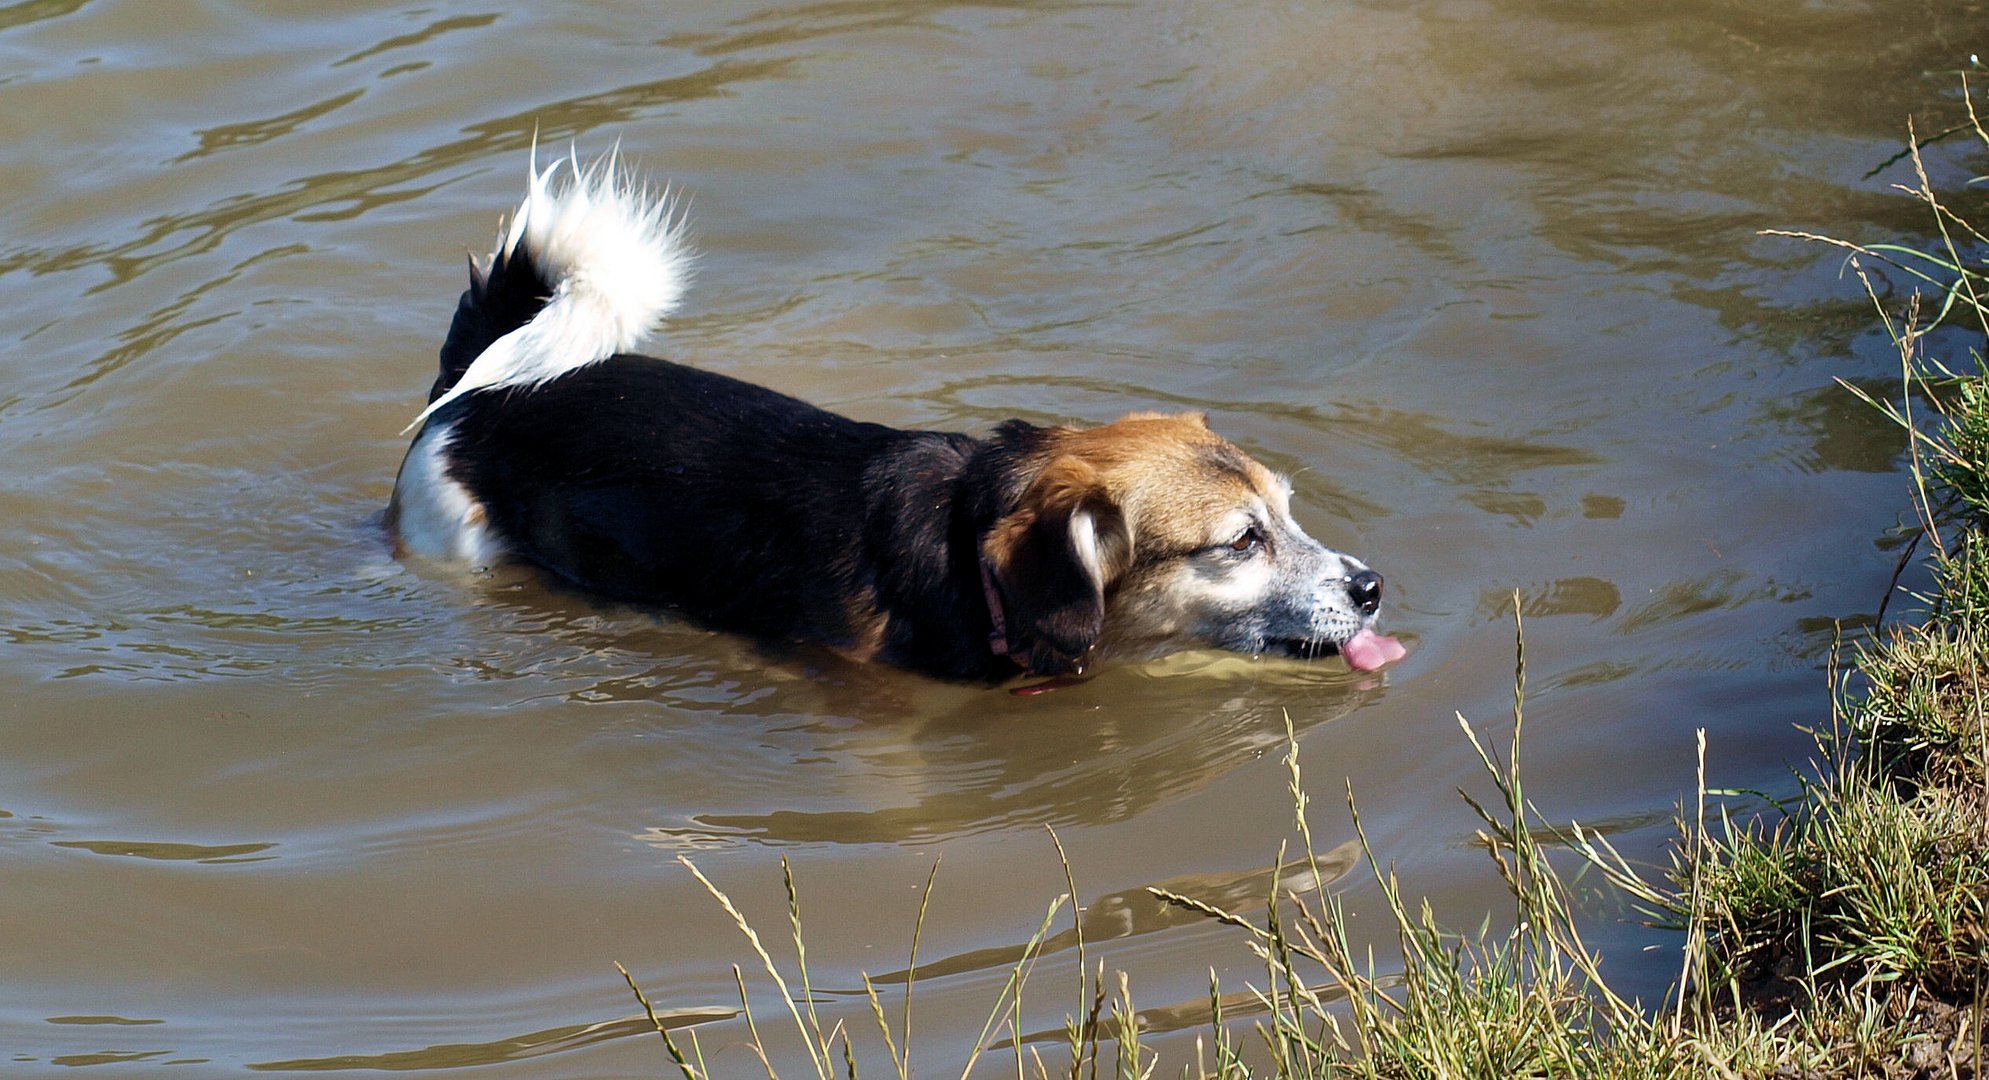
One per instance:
(1154, 533)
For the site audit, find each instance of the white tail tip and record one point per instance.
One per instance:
(612, 256)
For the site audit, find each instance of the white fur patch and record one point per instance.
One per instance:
(435, 517)
(1084, 541)
(1240, 586)
(617, 258)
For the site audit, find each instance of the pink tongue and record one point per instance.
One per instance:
(1368, 650)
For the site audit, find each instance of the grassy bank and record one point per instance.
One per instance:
(1845, 933)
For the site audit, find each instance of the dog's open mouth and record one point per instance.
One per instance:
(1365, 651)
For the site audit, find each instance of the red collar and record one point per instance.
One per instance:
(998, 636)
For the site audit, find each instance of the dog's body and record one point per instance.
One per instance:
(1035, 548)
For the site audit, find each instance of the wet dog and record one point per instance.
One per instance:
(1035, 549)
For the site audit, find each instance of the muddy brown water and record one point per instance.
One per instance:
(1481, 275)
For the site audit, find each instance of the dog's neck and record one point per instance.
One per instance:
(997, 622)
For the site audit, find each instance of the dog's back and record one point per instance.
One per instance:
(639, 478)
(577, 276)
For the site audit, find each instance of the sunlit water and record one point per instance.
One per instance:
(1482, 276)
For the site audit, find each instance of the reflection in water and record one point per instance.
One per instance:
(1845, 433)
(170, 852)
(335, 195)
(982, 765)
(1719, 591)
(893, 757)
(114, 1057)
(251, 132)
(806, 22)
(159, 328)
(1522, 508)
(1602, 507)
(1369, 210)
(1137, 911)
(27, 11)
(420, 37)
(1593, 597)
(1599, 673)
(535, 1044)
(1196, 1014)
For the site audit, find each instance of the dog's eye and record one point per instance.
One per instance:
(1250, 540)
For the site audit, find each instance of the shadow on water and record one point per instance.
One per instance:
(895, 758)
(1072, 765)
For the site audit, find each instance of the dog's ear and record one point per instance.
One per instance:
(1053, 558)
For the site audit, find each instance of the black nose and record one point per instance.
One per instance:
(1365, 588)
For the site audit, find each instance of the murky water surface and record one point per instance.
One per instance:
(1482, 275)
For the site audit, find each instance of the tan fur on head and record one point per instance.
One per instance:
(1108, 495)
(1119, 546)
(1196, 418)
(1168, 473)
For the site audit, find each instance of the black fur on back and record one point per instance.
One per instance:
(498, 301)
(747, 509)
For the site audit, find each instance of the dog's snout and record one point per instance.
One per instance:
(1365, 588)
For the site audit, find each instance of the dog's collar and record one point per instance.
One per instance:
(998, 632)
(998, 641)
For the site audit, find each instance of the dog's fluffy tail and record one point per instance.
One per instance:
(586, 270)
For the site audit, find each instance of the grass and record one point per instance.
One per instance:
(1842, 934)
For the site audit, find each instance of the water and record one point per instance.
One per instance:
(1482, 275)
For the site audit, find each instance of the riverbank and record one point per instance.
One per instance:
(1842, 934)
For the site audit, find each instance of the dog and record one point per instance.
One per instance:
(1032, 550)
